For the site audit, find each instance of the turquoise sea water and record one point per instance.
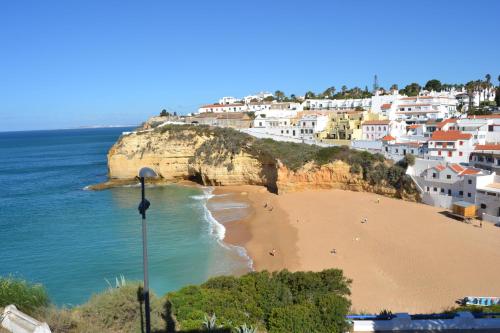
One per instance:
(54, 232)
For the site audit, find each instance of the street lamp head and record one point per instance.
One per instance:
(147, 173)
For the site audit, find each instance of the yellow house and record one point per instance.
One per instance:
(344, 126)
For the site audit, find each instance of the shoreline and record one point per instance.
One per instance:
(408, 258)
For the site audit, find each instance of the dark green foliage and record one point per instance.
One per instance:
(25, 296)
(277, 302)
(476, 309)
(433, 85)
(411, 90)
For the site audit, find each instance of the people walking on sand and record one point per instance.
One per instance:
(273, 252)
(364, 220)
(333, 251)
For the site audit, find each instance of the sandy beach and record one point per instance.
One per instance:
(407, 257)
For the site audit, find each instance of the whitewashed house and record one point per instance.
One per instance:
(228, 100)
(486, 157)
(450, 146)
(223, 108)
(377, 129)
(419, 109)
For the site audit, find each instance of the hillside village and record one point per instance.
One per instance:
(453, 132)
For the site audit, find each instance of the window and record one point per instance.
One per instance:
(469, 194)
(442, 190)
(313, 123)
(450, 153)
(469, 181)
(461, 193)
(461, 143)
(460, 153)
(435, 189)
(448, 176)
(428, 189)
(260, 124)
(449, 192)
(434, 175)
(301, 131)
(483, 206)
(492, 194)
(439, 152)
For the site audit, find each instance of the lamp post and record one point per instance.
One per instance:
(143, 206)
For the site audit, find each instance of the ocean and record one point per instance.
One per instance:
(74, 241)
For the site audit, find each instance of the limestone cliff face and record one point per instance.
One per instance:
(196, 154)
(335, 175)
(174, 157)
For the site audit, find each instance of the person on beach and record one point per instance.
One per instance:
(480, 223)
(273, 252)
(364, 220)
(333, 251)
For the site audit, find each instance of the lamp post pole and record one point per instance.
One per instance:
(142, 209)
(143, 206)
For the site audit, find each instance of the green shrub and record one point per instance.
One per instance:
(25, 296)
(267, 301)
(118, 310)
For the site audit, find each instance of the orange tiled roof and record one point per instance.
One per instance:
(388, 138)
(414, 126)
(450, 136)
(439, 167)
(490, 146)
(484, 116)
(469, 172)
(456, 167)
(386, 106)
(446, 121)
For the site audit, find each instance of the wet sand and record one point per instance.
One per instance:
(407, 257)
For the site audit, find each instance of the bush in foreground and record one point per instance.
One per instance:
(25, 296)
(272, 302)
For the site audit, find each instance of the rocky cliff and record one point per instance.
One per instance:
(182, 154)
(227, 157)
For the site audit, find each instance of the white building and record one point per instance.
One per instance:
(228, 100)
(337, 104)
(420, 109)
(377, 129)
(441, 184)
(223, 108)
(257, 97)
(450, 146)
(311, 124)
(486, 157)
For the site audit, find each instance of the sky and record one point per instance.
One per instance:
(78, 63)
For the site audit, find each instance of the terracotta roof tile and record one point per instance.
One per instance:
(388, 138)
(469, 171)
(450, 136)
(386, 106)
(490, 146)
(456, 167)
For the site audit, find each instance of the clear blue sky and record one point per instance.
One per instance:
(86, 62)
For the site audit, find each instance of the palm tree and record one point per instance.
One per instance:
(279, 95)
(329, 92)
(344, 89)
(310, 95)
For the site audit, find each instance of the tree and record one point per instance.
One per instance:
(433, 85)
(279, 95)
(394, 87)
(310, 95)
(344, 89)
(497, 96)
(488, 78)
(164, 113)
(411, 90)
(329, 92)
(293, 98)
(268, 99)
